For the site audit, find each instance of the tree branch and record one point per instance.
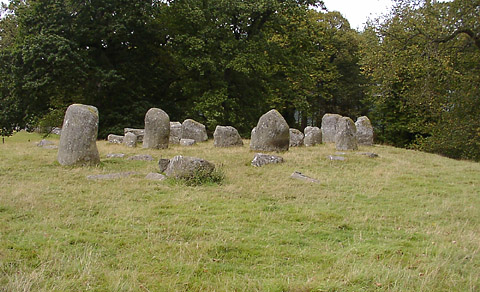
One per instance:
(467, 31)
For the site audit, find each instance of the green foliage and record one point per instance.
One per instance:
(424, 64)
(203, 177)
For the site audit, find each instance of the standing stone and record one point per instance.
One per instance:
(184, 167)
(329, 127)
(271, 133)
(175, 132)
(313, 136)
(157, 129)
(226, 136)
(296, 138)
(346, 138)
(115, 139)
(138, 132)
(364, 131)
(130, 140)
(78, 141)
(192, 129)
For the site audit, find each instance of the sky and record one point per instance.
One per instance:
(357, 12)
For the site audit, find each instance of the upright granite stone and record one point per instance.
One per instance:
(78, 140)
(313, 136)
(271, 133)
(192, 129)
(157, 129)
(364, 131)
(138, 132)
(226, 136)
(296, 138)
(115, 139)
(329, 127)
(175, 132)
(346, 138)
(184, 167)
(130, 140)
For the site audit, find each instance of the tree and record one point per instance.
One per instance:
(424, 72)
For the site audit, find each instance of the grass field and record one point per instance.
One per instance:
(406, 221)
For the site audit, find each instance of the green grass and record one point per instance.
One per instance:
(406, 221)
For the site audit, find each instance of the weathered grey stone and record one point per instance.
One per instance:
(155, 176)
(346, 138)
(78, 141)
(130, 140)
(329, 127)
(261, 159)
(115, 155)
(301, 176)
(44, 143)
(115, 139)
(142, 157)
(187, 142)
(184, 166)
(226, 136)
(338, 158)
(192, 129)
(138, 132)
(163, 164)
(271, 133)
(111, 176)
(56, 131)
(364, 131)
(313, 136)
(175, 132)
(296, 138)
(157, 129)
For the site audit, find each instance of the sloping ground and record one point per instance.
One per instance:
(405, 221)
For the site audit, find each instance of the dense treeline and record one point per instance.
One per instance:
(229, 61)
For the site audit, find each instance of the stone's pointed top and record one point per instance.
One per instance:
(272, 133)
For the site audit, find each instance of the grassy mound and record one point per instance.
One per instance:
(405, 221)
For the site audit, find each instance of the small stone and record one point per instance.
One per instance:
(130, 140)
(141, 157)
(261, 159)
(364, 131)
(138, 132)
(187, 142)
(115, 139)
(57, 131)
(226, 136)
(155, 176)
(50, 147)
(336, 158)
(44, 143)
(296, 138)
(369, 154)
(115, 155)
(111, 176)
(313, 136)
(329, 127)
(175, 132)
(192, 129)
(184, 166)
(301, 176)
(163, 164)
(346, 138)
